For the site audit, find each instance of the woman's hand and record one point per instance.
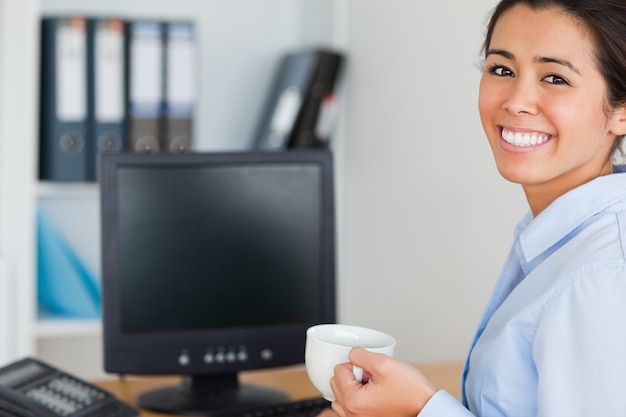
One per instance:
(389, 388)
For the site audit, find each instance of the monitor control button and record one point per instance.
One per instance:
(242, 356)
(184, 359)
(267, 354)
(209, 357)
(231, 356)
(220, 357)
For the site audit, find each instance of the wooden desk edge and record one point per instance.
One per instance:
(292, 379)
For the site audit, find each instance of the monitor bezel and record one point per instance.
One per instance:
(161, 353)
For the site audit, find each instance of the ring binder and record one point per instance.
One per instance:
(106, 115)
(179, 86)
(302, 104)
(63, 123)
(144, 85)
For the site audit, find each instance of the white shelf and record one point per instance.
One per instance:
(57, 327)
(48, 189)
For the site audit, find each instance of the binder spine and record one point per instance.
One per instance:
(312, 129)
(106, 86)
(63, 100)
(144, 85)
(285, 99)
(179, 77)
(302, 106)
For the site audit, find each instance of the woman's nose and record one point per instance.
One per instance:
(522, 98)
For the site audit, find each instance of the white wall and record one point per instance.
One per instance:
(426, 219)
(18, 62)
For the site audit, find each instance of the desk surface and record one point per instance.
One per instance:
(292, 379)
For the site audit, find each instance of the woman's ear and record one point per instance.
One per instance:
(619, 121)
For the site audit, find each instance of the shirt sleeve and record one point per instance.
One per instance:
(580, 348)
(444, 404)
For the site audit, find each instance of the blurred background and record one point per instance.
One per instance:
(424, 219)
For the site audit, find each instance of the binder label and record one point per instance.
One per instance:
(180, 71)
(327, 117)
(285, 114)
(109, 71)
(71, 70)
(145, 73)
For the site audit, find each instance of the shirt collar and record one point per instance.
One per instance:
(566, 213)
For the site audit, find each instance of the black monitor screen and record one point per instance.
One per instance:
(222, 246)
(214, 263)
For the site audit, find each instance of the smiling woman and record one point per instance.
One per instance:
(543, 104)
(552, 338)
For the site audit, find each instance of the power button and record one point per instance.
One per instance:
(184, 359)
(267, 354)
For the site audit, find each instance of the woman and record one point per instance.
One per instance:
(552, 340)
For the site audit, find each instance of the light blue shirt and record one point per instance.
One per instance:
(552, 339)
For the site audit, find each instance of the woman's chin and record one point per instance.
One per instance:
(517, 175)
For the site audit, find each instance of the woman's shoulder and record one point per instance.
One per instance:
(598, 242)
(595, 251)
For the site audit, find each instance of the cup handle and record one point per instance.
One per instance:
(358, 373)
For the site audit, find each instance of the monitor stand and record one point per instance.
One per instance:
(208, 394)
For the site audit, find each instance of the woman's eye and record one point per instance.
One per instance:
(555, 79)
(501, 71)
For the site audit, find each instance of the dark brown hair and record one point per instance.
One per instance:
(605, 22)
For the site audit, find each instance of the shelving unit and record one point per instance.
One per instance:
(238, 52)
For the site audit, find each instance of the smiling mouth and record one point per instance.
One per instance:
(524, 139)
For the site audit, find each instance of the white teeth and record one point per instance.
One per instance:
(524, 139)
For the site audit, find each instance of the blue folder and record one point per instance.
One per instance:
(65, 284)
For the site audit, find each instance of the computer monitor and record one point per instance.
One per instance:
(214, 263)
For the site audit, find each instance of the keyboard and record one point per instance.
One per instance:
(310, 407)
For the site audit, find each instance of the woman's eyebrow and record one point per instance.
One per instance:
(501, 52)
(540, 59)
(564, 62)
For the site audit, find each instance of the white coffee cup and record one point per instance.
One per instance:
(328, 345)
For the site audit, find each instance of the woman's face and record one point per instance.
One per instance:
(542, 103)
